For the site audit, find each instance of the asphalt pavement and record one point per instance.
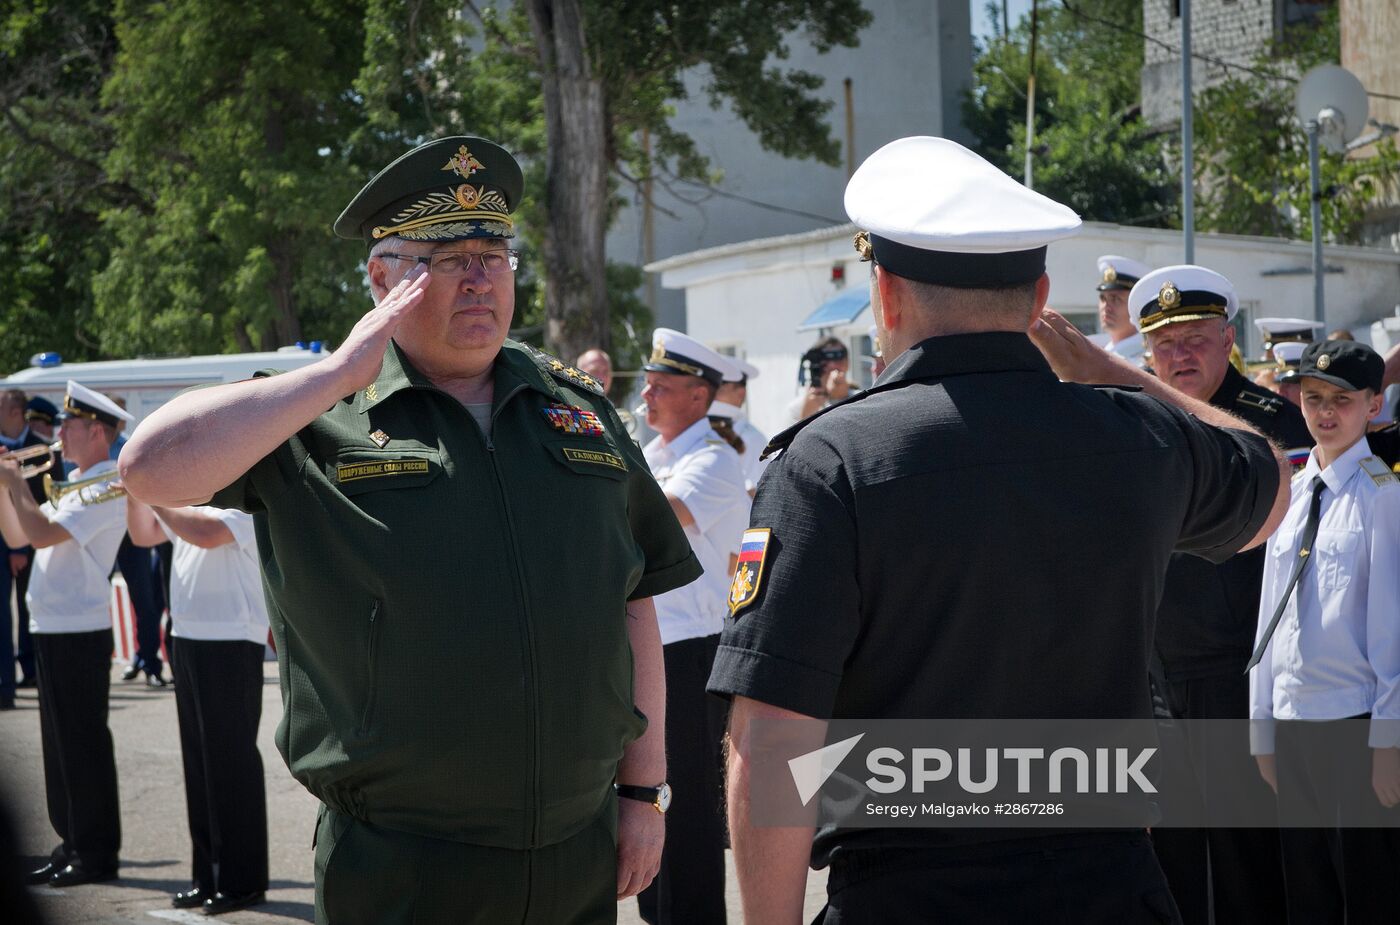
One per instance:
(155, 838)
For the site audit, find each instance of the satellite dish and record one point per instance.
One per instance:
(1334, 98)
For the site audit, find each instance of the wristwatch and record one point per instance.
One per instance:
(659, 797)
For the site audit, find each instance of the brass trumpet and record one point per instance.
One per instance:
(95, 489)
(46, 454)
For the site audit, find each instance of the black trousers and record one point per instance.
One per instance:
(218, 698)
(80, 772)
(690, 885)
(1334, 875)
(1237, 871)
(1069, 879)
(135, 564)
(7, 636)
(24, 650)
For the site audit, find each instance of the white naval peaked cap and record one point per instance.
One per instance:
(740, 370)
(1184, 292)
(1289, 352)
(1117, 272)
(682, 355)
(1282, 329)
(82, 402)
(935, 212)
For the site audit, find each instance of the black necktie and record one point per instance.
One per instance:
(1305, 545)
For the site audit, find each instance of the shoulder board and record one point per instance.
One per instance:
(563, 371)
(1379, 472)
(1270, 404)
(709, 442)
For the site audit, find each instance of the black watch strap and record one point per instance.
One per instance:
(633, 792)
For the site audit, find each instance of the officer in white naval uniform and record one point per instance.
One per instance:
(1116, 278)
(76, 542)
(703, 478)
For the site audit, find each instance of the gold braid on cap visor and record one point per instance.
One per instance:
(466, 203)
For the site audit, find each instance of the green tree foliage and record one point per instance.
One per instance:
(170, 168)
(54, 58)
(1252, 156)
(1092, 151)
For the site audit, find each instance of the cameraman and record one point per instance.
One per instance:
(824, 369)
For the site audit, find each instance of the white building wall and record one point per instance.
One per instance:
(909, 72)
(752, 296)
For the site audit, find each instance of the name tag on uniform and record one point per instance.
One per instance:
(378, 469)
(596, 457)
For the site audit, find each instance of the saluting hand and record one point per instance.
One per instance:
(362, 353)
(641, 832)
(1072, 356)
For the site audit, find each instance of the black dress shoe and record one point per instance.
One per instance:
(41, 875)
(78, 873)
(220, 903)
(27, 682)
(131, 673)
(191, 899)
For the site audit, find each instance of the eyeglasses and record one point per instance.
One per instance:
(459, 263)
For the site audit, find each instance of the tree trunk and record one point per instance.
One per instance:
(576, 190)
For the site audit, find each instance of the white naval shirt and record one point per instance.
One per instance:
(1130, 348)
(217, 594)
(69, 589)
(705, 473)
(1336, 651)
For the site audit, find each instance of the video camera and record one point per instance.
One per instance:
(815, 362)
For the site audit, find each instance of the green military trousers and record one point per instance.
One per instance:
(370, 875)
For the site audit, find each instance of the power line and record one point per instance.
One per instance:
(1229, 65)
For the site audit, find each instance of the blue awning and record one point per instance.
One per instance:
(838, 310)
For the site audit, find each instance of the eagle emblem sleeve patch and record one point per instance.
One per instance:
(748, 577)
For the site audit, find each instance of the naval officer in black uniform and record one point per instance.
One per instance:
(922, 550)
(1208, 614)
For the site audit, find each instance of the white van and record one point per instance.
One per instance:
(145, 385)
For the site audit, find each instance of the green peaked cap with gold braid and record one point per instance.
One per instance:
(451, 188)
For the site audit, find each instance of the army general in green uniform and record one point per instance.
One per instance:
(459, 558)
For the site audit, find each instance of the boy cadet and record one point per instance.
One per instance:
(459, 544)
(874, 581)
(703, 479)
(1328, 650)
(219, 633)
(1205, 618)
(1117, 275)
(76, 541)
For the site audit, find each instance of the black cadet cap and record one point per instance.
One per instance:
(1346, 364)
(451, 188)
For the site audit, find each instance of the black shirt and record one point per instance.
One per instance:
(973, 538)
(1208, 616)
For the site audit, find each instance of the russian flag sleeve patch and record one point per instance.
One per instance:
(748, 576)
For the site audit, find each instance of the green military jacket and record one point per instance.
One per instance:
(448, 608)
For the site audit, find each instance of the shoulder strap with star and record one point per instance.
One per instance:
(563, 371)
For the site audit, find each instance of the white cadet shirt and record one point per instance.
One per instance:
(69, 591)
(1336, 651)
(706, 475)
(217, 594)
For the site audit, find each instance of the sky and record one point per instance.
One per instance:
(984, 25)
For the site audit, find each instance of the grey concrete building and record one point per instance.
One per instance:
(1233, 31)
(906, 77)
